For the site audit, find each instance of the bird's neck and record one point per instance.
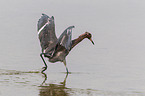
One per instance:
(78, 40)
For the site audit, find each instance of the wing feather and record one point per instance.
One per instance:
(65, 38)
(46, 32)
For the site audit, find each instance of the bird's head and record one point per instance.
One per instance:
(89, 36)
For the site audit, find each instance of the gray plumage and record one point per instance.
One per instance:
(65, 38)
(46, 33)
(53, 48)
(56, 49)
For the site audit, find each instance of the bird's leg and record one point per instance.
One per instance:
(64, 61)
(44, 68)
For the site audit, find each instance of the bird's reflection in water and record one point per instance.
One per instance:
(45, 78)
(53, 89)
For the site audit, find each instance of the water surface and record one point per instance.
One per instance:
(114, 66)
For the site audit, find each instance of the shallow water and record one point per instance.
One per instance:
(114, 66)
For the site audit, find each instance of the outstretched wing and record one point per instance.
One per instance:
(65, 38)
(46, 32)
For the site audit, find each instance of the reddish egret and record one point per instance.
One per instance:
(53, 48)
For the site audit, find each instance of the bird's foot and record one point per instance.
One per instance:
(68, 72)
(43, 69)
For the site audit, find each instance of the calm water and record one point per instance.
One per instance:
(114, 66)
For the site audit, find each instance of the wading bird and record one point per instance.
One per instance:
(53, 48)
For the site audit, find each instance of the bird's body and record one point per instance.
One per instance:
(53, 48)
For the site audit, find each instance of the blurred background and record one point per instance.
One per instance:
(114, 64)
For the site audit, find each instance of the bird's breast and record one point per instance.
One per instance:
(58, 56)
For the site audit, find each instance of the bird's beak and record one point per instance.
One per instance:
(92, 41)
